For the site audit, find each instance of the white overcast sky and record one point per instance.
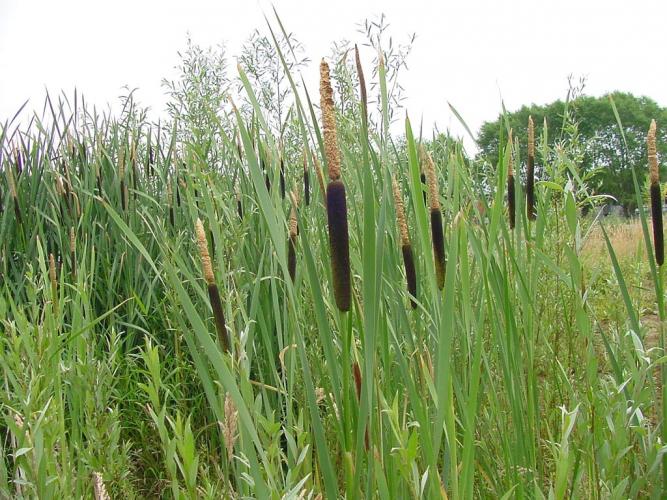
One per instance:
(471, 53)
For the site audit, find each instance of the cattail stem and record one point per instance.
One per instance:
(656, 196)
(356, 373)
(530, 172)
(213, 292)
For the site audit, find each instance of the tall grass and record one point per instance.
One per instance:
(524, 371)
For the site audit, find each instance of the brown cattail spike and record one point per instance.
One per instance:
(213, 292)
(431, 179)
(170, 202)
(72, 251)
(406, 246)
(306, 179)
(530, 171)
(437, 234)
(511, 201)
(282, 177)
(362, 86)
(656, 196)
(339, 243)
(331, 150)
(239, 205)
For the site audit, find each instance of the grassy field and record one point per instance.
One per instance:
(175, 324)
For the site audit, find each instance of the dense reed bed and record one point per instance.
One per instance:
(174, 324)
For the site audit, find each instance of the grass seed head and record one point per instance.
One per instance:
(230, 426)
(99, 488)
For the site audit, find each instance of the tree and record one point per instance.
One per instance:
(603, 151)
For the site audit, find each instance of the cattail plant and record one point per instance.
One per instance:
(293, 233)
(530, 172)
(170, 202)
(239, 205)
(336, 203)
(406, 246)
(72, 251)
(510, 184)
(362, 87)
(121, 175)
(19, 162)
(282, 176)
(436, 219)
(656, 196)
(213, 292)
(306, 179)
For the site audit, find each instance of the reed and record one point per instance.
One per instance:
(336, 202)
(530, 172)
(213, 292)
(406, 245)
(437, 234)
(656, 196)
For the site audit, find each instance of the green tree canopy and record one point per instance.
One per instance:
(598, 133)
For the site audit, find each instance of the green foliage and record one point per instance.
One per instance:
(604, 155)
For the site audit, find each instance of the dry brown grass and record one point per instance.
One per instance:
(626, 238)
